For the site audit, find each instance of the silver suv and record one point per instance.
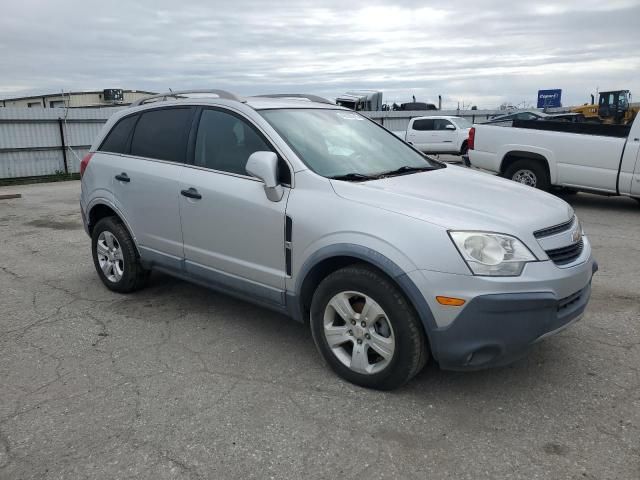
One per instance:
(317, 212)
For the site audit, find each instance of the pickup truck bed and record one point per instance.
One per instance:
(588, 157)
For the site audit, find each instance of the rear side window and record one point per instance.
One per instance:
(423, 125)
(118, 138)
(162, 134)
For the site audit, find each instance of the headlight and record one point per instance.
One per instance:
(492, 254)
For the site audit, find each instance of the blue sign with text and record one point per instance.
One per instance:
(549, 98)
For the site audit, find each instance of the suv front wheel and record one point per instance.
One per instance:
(366, 330)
(115, 257)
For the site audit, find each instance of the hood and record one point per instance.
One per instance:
(461, 199)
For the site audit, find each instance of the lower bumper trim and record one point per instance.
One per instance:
(495, 330)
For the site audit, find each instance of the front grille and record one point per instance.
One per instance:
(564, 255)
(547, 232)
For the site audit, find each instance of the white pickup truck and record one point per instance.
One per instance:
(437, 134)
(577, 156)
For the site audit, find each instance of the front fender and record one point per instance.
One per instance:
(373, 257)
(547, 154)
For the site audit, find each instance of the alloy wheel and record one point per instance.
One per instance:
(359, 332)
(110, 256)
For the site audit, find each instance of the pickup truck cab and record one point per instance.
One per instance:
(437, 134)
(323, 215)
(578, 156)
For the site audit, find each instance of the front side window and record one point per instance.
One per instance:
(334, 143)
(162, 134)
(118, 138)
(225, 142)
(441, 124)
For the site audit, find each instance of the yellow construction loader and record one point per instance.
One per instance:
(612, 107)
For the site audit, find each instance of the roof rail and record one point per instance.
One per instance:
(304, 96)
(178, 94)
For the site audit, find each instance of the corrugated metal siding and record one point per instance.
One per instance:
(23, 135)
(30, 163)
(30, 142)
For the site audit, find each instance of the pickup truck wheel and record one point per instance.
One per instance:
(528, 172)
(366, 330)
(464, 149)
(115, 257)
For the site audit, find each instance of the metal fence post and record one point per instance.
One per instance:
(64, 147)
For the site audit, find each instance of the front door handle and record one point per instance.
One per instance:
(191, 193)
(123, 177)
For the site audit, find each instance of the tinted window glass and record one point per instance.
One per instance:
(423, 125)
(225, 142)
(118, 137)
(162, 134)
(441, 124)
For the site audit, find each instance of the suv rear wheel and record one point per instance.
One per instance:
(115, 257)
(366, 330)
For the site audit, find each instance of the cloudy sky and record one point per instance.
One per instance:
(481, 52)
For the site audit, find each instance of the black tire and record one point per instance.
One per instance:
(464, 150)
(411, 351)
(134, 276)
(539, 174)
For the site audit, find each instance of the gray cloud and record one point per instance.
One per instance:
(484, 52)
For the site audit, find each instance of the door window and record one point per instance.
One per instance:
(441, 124)
(225, 142)
(423, 125)
(162, 134)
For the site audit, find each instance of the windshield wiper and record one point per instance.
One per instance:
(405, 170)
(353, 177)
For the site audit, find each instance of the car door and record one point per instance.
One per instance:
(233, 234)
(445, 135)
(145, 182)
(420, 134)
(635, 181)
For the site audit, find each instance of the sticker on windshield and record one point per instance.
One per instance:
(349, 116)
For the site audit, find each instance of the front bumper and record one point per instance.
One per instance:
(495, 330)
(500, 323)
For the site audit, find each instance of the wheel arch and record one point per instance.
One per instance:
(102, 209)
(542, 157)
(331, 258)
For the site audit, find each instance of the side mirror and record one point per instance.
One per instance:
(264, 166)
(450, 127)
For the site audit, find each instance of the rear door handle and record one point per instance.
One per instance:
(123, 177)
(191, 193)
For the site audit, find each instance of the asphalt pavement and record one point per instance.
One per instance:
(176, 381)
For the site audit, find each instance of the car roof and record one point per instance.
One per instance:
(265, 103)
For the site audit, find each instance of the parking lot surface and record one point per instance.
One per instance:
(176, 381)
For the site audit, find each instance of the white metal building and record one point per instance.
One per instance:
(103, 98)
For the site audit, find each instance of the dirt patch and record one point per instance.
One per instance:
(55, 224)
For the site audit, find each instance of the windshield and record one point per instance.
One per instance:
(462, 122)
(336, 143)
